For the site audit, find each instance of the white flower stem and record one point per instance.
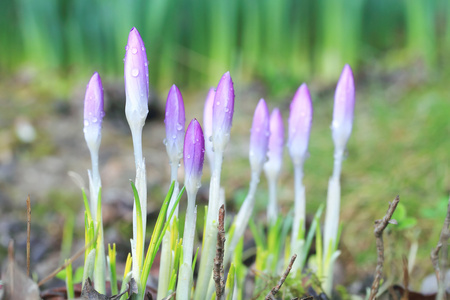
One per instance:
(239, 224)
(272, 207)
(299, 204)
(185, 276)
(332, 219)
(243, 216)
(210, 235)
(141, 187)
(94, 189)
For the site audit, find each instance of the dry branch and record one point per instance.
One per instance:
(218, 260)
(380, 225)
(28, 234)
(441, 245)
(275, 290)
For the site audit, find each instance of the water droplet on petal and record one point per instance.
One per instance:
(146, 64)
(86, 123)
(94, 120)
(179, 127)
(174, 136)
(227, 109)
(210, 139)
(126, 48)
(143, 49)
(133, 50)
(165, 141)
(135, 72)
(218, 103)
(188, 156)
(84, 130)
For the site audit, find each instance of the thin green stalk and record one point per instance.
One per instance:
(69, 281)
(112, 269)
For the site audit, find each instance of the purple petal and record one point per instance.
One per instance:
(300, 120)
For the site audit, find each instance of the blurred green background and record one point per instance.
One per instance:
(193, 41)
(399, 51)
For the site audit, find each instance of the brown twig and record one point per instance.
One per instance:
(275, 290)
(405, 278)
(218, 260)
(442, 246)
(28, 234)
(380, 225)
(11, 266)
(68, 262)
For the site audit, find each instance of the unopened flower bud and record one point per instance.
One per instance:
(93, 112)
(300, 120)
(223, 110)
(174, 121)
(259, 136)
(208, 125)
(344, 104)
(276, 144)
(136, 80)
(193, 156)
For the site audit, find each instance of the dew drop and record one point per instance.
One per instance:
(135, 72)
(84, 130)
(143, 49)
(146, 64)
(126, 48)
(94, 120)
(133, 50)
(188, 156)
(174, 136)
(167, 114)
(210, 139)
(86, 123)
(218, 103)
(179, 127)
(227, 109)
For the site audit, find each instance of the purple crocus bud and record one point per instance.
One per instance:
(300, 119)
(193, 153)
(276, 144)
(93, 112)
(208, 125)
(344, 104)
(223, 112)
(136, 80)
(174, 120)
(259, 136)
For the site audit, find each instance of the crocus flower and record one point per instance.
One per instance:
(223, 112)
(174, 120)
(193, 155)
(344, 103)
(300, 119)
(93, 112)
(276, 144)
(136, 80)
(259, 137)
(208, 125)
